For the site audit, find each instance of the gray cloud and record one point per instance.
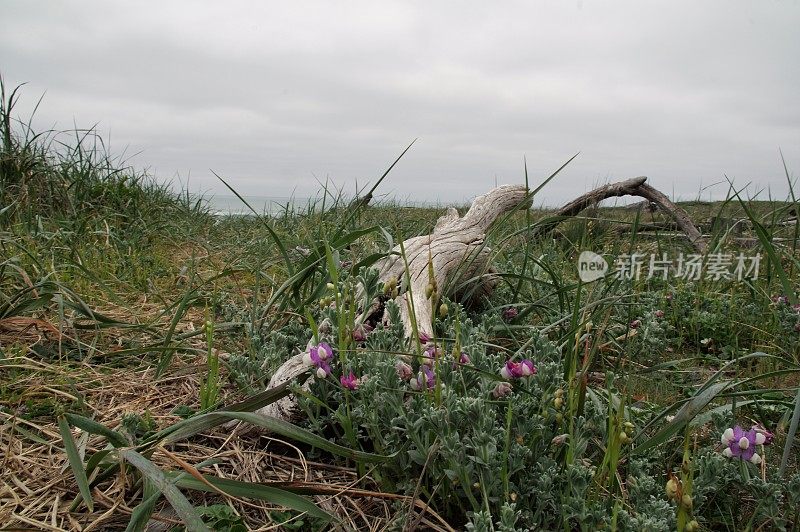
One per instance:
(276, 96)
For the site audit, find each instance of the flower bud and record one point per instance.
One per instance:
(686, 501)
(755, 459)
(760, 438)
(559, 418)
(624, 439)
(389, 286)
(559, 392)
(404, 371)
(429, 291)
(692, 526)
(501, 390)
(744, 443)
(321, 373)
(727, 453)
(330, 287)
(671, 488)
(558, 402)
(443, 310)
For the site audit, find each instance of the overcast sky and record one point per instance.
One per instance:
(278, 96)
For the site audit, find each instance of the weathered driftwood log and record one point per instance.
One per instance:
(454, 261)
(631, 187)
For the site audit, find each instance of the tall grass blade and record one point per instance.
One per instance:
(252, 490)
(180, 504)
(93, 427)
(787, 448)
(75, 462)
(286, 429)
(278, 242)
(141, 514)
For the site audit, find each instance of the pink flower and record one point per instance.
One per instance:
(350, 381)
(464, 359)
(361, 331)
(768, 436)
(517, 370)
(404, 371)
(635, 324)
(509, 313)
(780, 299)
(659, 314)
(424, 337)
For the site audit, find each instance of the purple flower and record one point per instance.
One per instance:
(509, 313)
(659, 314)
(742, 444)
(517, 370)
(404, 371)
(317, 356)
(464, 358)
(432, 351)
(635, 324)
(350, 381)
(780, 299)
(424, 337)
(425, 379)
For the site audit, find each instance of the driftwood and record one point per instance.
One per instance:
(631, 187)
(453, 262)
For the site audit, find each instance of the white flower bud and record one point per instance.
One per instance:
(727, 436)
(321, 373)
(505, 373)
(755, 459)
(744, 443)
(727, 453)
(307, 359)
(760, 439)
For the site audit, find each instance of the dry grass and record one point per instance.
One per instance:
(37, 487)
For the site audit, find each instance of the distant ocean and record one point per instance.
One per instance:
(222, 205)
(225, 205)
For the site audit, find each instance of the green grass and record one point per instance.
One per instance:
(107, 280)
